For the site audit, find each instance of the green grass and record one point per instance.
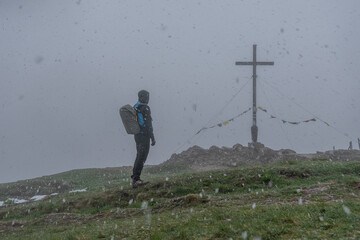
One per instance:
(315, 199)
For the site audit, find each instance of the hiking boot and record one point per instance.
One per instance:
(138, 183)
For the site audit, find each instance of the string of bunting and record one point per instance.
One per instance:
(224, 123)
(290, 122)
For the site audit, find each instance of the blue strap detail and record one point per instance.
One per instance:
(139, 115)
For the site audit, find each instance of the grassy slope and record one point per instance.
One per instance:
(314, 199)
(92, 179)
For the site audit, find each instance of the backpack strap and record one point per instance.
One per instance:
(139, 115)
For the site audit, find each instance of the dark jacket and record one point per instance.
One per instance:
(144, 119)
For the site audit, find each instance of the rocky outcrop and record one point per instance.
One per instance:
(255, 153)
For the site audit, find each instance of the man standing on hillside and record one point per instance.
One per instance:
(143, 138)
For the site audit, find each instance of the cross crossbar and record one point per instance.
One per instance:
(256, 63)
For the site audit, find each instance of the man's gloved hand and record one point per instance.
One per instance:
(153, 142)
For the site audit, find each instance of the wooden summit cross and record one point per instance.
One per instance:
(254, 63)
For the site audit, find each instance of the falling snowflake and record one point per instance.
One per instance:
(144, 205)
(194, 107)
(300, 201)
(131, 201)
(254, 205)
(346, 210)
(217, 190)
(244, 235)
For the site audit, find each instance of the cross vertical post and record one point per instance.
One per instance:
(254, 63)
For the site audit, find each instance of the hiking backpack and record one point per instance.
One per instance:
(129, 118)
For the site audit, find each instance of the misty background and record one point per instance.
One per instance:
(66, 67)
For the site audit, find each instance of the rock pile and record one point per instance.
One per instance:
(255, 153)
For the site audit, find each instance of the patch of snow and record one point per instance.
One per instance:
(54, 194)
(1, 203)
(15, 200)
(254, 205)
(38, 197)
(78, 190)
(244, 235)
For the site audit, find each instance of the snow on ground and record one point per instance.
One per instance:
(15, 200)
(78, 190)
(38, 197)
(34, 198)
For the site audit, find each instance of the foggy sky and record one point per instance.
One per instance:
(66, 67)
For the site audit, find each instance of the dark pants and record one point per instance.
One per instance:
(142, 148)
